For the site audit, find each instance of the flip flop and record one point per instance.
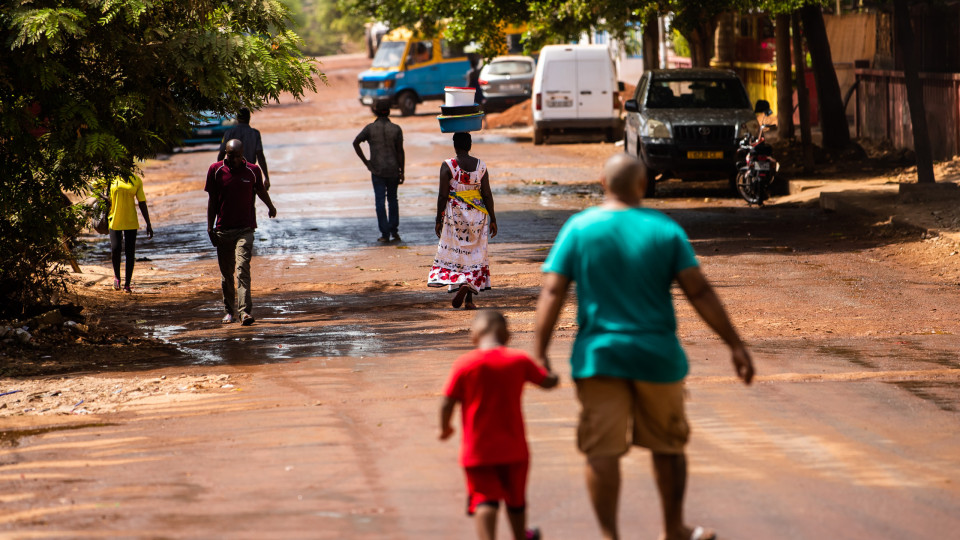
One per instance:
(461, 294)
(699, 533)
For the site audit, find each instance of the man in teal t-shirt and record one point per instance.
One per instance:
(627, 362)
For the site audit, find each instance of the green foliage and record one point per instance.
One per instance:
(325, 26)
(89, 87)
(680, 45)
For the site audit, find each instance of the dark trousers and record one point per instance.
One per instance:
(128, 241)
(234, 251)
(386, 188)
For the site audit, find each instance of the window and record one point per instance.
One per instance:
(420, 52)
(510, 67)
(697, 94)
(389, 54)
(450, 50)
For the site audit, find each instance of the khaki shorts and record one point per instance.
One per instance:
(613, 409)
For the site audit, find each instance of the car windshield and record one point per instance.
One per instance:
(389, 54)
(697, 94)
(509, 68)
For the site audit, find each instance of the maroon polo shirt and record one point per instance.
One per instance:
(234, 193)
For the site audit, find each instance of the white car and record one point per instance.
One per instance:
(506, 81)
(576, 88)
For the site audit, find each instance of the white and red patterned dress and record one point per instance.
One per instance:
(462, 251)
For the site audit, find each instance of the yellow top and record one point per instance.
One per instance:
(124, 194)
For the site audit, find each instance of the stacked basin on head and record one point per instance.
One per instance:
(459, 112)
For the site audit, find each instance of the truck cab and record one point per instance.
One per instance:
(410, 69)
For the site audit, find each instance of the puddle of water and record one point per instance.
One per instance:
(328, 341)
(846, 353)
(164, 333)
(13, 437)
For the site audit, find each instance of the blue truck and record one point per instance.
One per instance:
(410, 69)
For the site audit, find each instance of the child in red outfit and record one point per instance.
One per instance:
(488, 383)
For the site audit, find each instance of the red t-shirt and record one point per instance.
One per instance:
(234, 194)
(488, 384)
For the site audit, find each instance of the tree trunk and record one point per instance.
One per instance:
(803, 100)
(701, 42)
(918, 116)
(784, 78)
(833, 118)
(726, 44)
(651, 42)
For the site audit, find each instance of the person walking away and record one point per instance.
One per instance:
(252, 144)
(385, 165)
(126, 194)
(465, 221)
(488, 384)
(231, 220)
(473, 77)
(626, 361)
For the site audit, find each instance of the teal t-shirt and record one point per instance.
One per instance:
(624, 263)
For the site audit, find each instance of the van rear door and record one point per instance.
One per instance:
(559, 87)
(594, 80)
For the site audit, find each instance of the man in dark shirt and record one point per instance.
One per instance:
(252, 145)
(385, 165)
(231, 220)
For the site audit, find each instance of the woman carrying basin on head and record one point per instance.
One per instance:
(465, 221)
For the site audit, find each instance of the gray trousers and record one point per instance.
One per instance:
(234, 251)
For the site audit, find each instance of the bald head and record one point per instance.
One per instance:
(490, 323)
(234, 153)
(624, 178)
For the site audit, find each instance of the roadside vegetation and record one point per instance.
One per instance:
(88, 88)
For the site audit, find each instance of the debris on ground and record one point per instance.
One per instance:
(520, 115)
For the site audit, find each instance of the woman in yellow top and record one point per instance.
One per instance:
(125, 195)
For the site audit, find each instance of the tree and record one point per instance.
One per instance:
(325, 27)
(784, 76)
(90, 87)
(918, 116)
(833, 118)
(548, 21)
(803, 100)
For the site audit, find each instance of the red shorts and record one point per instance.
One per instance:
(490, 484)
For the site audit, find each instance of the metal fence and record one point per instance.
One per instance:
(884, 114)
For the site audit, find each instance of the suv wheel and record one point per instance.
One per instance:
(407, 102)
(537, 135)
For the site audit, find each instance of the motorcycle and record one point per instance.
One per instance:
(756, 168)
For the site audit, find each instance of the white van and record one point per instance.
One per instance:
(576, 87)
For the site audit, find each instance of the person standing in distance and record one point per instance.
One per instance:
(231, 220)
(385, 165)
(252, 144)
(626, 361)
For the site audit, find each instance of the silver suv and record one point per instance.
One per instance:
(685, 123)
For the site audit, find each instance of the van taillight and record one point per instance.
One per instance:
(616, 100)
(539, 102)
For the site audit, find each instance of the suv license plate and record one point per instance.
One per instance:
(563, 102)
(366, 100)
(204, 132)
(704, 155)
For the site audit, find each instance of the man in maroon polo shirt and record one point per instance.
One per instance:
(231, 219)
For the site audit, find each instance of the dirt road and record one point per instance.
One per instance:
(320, 420)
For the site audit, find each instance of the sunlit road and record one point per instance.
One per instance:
(850, 431)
